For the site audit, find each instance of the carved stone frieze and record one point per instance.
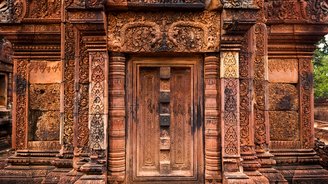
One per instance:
(152, 32)
(303, 10)
(284, 126)
(239, 3)
(283, 97)
(156, 3)
(44, 9)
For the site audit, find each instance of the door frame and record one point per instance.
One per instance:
(197, 62)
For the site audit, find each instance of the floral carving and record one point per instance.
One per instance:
(284, 126)
(48, 126)
(151, 32)
(229, 65)
(237, 3)
(44, 9)
(97, 99)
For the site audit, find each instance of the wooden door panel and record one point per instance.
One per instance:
(163, 132)
(147, 125)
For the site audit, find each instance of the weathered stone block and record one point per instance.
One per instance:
(284, 125)
(283, 70)
(283, 97)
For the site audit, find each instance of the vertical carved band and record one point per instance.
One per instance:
(260, 88)
(69, 79)
(306, 103)
(98, 97)
(20, 104)
(116, 155)
(230, 110)
(212, 119)
(82, 94)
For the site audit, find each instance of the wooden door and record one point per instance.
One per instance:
(165, 128)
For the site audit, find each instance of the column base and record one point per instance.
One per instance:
(257, 177)
(236, 177)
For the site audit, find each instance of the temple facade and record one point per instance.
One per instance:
(161, 91)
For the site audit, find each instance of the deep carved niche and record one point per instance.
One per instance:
(153, 32)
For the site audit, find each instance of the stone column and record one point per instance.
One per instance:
(212, 115)
(116, 111)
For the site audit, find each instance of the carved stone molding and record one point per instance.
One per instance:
(152, 32)
(116, 122)
(212, 120)
(155, 4)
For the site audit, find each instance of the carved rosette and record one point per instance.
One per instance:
(98, 97)
(152, 32)
(306, 103)
(20, 103)
(212, 120)
(116, 123)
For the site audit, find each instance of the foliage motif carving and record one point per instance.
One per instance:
(283, 97)
(303, 10)
(238, 3)
(284, 126)
(69, 92)
(48, 126)
(44, 9)
(21, 83)
(306, 99)
(44, 96)
(230, 116)
(229, 65)
(97, 99)
(151, 32)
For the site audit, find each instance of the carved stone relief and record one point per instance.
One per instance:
(238, 3)
(152, 32)
(283, 70)
(284, 126)
(283, 97)
(303, 10)
(44, 96)
(229, 65)
(4, 11)
(44, 9)
(98, 97)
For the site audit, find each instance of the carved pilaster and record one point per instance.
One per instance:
(212, 125)
(230, 122)
(306, 103)
(20, 110)
(116, 123)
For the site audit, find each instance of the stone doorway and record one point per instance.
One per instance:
(165, 126)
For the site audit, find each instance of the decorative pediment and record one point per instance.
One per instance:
(153, 32)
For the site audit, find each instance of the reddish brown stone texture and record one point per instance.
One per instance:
(255, 72)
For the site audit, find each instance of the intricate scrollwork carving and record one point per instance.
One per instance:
(4, 11)
(150, 32)
(20, 99)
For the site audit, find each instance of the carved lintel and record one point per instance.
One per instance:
(123, 4)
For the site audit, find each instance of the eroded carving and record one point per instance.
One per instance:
(4, 11)
(44, 9)
(146, 32)
(284, 126)
(47, 126)
(283, 97)
(44, 96)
